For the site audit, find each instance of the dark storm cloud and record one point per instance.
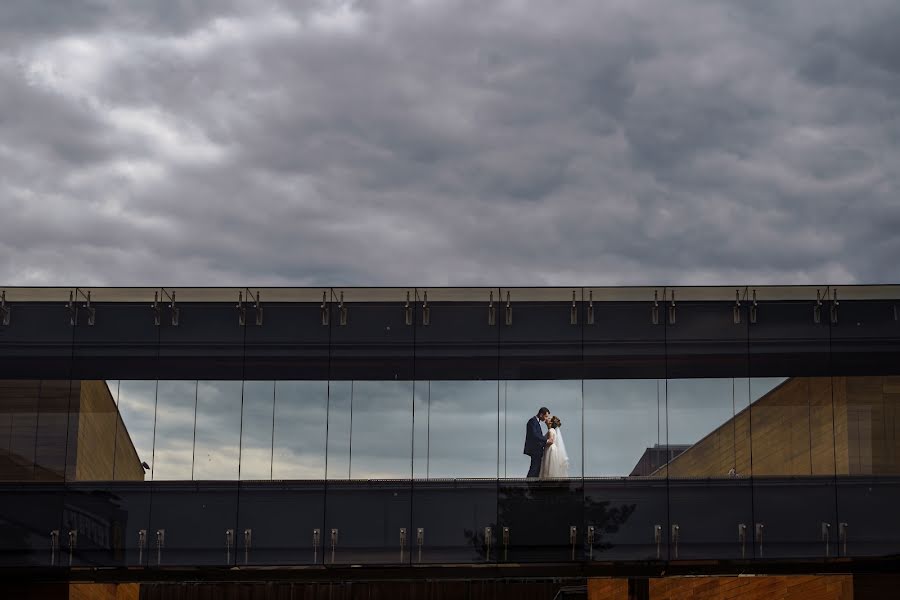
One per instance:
(438, 142)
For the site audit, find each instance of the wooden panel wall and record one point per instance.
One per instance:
(788, 587)
(805, 426)
(104, 446)
(51, 429)
(608, 589)
(34, 429)
(873, 430)
(104, 591)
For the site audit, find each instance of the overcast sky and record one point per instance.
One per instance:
(431, 142)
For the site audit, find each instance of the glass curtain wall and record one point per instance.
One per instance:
(699, 431)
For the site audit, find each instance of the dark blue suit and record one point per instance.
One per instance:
(534, 445)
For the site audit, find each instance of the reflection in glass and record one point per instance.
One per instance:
(257, 410)
(18, 428)
(300, 430)
(218, 430)
(701, 428)
(461, 429)
(381, 430)
(421, 417)
(52, 443)
(792, 430)
(521, 400)
(624, 423)
(134, 430)
(173, 438)
(867, 425)
(96, 419)
(339, 426)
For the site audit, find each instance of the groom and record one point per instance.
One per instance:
(535, 441)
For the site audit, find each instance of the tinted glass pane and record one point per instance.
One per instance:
(134, 430)
(867, 425)
(96, 426)
(281, 523)
(18, 428)
(536, 518)
(218, 430)
(367, 522)
(421, 422)
(792, 431)
(194, 524)
(461, 429)
(53, 442)
(300, 430)
(338, 429)
(626, 519)
(624, 422)
(31, 517)
(869, 521)
(111, 521)
(256, 429)
(867, 445)
(521, 401)
(381, 435)
(451, 520)
(793, 467)
(173, 438)
(709, 489)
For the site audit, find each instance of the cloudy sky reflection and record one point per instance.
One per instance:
(399, 429)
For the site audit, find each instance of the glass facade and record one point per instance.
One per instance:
(386, 426)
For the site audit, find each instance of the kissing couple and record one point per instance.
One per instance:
(547, 451)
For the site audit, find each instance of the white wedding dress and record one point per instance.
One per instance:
(555, 462)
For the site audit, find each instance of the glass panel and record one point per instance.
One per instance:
(281, 523)
(381, 430)
(111, 521)
(18, 428)
(338, 430)
(867, 443)
(549, 498)
(257, 414)
(536, 518)
(30, 518)
(421, 416)
(96, 418)
(625, 421)
(521, 400)
(793, 465)
(53, 442)
(709, 489)
(134, 429)
(869, 520)
(450, 521)
(792, 431)
(629, 517)
(194, 524)
(218, 430)
(625, 499)
(461, 429)
(173, 437)
(369, 522)
(301, 428)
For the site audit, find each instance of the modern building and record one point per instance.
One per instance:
(367, 442)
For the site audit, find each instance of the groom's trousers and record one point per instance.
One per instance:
(535, 469)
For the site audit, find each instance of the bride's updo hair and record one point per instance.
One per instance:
(555, 422)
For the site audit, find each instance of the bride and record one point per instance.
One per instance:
(555, 462)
